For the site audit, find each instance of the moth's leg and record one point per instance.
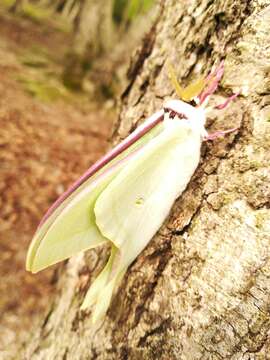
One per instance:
(221, 133)
(217, 134)
(226, 103)
(221, 106)
(212, 81)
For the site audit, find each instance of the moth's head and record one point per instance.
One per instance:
(192, 101)
(180, 110)
(194, 98)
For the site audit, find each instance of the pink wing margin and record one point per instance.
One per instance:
(149, 124)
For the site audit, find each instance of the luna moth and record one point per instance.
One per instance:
(124, 198)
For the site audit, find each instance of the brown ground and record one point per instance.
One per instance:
(44, 146)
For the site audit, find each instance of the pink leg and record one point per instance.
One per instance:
(231, 98)
(213, 80)
(218, 134)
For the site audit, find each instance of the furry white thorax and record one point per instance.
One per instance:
(182, 111)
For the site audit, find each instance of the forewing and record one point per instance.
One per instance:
(73, 230)
(71, 227)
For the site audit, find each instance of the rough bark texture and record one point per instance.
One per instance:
(200, 290)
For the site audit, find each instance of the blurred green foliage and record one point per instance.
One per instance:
(36, 13)
(41, 77)
(39, 14)
(7, 3)
(43, 90)
(127, 10)
(56, 14)
(124, 11)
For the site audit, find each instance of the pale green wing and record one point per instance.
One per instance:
(73, 230)
(99, 283)
(104, 298)
(134, 205)
(71, 227)
(101, 291)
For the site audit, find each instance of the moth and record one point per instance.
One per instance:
(124, 198)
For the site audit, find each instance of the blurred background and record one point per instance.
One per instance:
(63, 64)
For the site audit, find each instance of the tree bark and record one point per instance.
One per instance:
(200, 290)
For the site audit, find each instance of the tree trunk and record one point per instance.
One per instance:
(94, 29)
(93, 36)
(200, 290)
